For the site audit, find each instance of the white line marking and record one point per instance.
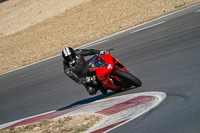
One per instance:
(198, 11)
(94, 44)
(30, 65)
(148, 27)
(16, 121)
(83, 46)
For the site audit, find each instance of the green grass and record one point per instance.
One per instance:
(80, 129)
(180, 5)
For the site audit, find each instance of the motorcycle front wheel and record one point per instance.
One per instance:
(129, 77)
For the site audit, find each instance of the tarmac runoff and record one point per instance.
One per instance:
(116, 111)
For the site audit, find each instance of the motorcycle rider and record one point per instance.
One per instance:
(77, 69)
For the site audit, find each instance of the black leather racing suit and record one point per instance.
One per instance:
(79, 70)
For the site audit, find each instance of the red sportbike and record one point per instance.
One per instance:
(111, 73)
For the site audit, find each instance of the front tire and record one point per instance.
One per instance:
(103, 90)
(129, 77)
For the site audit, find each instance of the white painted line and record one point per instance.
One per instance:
(148, 27)
(83, 46)
(131, 28)
(198, 11)
(16, 121)
(30, 64)
(94, 44)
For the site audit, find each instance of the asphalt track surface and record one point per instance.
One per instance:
(164, 54)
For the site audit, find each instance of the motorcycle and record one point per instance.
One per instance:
(111, 73)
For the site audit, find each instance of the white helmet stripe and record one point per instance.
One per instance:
(67, 52)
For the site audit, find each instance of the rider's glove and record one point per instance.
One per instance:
(91, 79)
(104, 52)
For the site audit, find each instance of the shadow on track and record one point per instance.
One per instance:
(92, 99)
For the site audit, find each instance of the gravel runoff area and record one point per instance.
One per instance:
(82, 22)
(69, 124)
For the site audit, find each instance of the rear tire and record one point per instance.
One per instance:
(129, 77)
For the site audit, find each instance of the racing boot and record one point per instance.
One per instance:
(91, 90)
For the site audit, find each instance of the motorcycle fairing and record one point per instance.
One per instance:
(108, 70)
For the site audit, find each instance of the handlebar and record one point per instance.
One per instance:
(110, 50)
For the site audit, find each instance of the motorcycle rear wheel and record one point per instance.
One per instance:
(129, 77)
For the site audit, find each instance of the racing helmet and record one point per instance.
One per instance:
(69, 55)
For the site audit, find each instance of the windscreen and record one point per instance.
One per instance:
(96, 61)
